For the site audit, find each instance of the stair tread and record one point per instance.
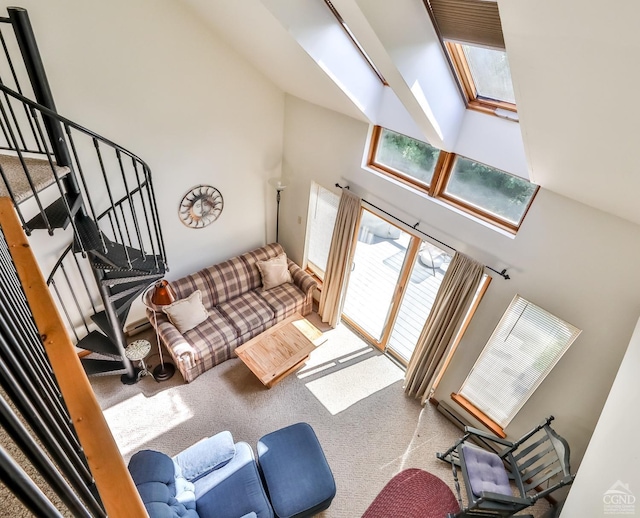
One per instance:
(116, 258)
(92, 367)
(98, 343)
(102, 322)
(57, 213)
(122, 287)
(122, 306)
(39, 171)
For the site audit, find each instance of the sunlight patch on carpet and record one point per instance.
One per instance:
(340, 390)
(138, 420)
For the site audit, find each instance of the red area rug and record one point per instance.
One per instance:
(413, 493)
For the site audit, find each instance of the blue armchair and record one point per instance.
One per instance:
(214, 477)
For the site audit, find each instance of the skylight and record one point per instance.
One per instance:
(352, 37)
(490, 72)
(484, 76)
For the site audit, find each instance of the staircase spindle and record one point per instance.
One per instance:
(84, 183)
(28, 176)
(73, 295)
(24, 488)
(62, 190)
(126, 227)
(156, 216)
(110, 194)
(37, 415)
(19, 88)
(64, 310)
(84, 280)
(15, 120)
(49, 403)
(131, 205)
(20, 435)
(144, 210)
(6, 135)
(28, 353)
(13, 290)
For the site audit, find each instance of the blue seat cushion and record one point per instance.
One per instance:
(486, 471)
(296, 472)
(233, 490)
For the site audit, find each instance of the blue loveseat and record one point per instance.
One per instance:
(212, 478)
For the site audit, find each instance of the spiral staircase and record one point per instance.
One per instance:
(92, 195)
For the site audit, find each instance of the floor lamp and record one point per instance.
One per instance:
(155, 298)
(279, 186)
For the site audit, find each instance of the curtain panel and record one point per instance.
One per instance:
(453, 299)
(339, 257)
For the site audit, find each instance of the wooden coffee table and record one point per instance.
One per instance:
(280, 350)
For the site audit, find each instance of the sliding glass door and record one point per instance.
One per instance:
(392, 285)
(379, 258)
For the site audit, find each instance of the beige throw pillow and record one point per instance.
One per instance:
(187, 313)
(274, 272)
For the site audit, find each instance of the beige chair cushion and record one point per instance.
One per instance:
(274, 272)
(187, 313)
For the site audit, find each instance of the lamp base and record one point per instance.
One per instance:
(164, 372)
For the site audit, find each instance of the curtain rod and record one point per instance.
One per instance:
(502, 273)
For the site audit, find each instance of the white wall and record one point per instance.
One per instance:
(612, 455)
(577, 262)
(150, 75)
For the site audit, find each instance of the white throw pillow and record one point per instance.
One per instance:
(274, 272)
(187, 313)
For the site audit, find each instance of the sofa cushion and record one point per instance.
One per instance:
(206, 455)
(274, 272)
(284, 300)
(214, 337)
(187, 313)
(247, 312)
(227, 280)
(259, 254)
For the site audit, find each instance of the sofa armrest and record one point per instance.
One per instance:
(181, 350)
(306, 283)
(302, 279)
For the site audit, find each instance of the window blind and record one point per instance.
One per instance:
(323, 209)
(467, 21)
(526, 344)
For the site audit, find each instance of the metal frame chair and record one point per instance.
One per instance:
(540, 457)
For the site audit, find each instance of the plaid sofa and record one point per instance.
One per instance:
(238, 309)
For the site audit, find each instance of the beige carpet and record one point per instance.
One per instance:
(369, 430)
(39, 171)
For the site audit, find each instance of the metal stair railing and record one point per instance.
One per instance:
(122, 191)
(67, 441)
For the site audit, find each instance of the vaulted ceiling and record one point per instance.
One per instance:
(574, 68)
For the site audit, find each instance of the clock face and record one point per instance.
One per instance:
(201, 206)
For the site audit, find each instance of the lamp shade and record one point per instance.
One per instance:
(162, 294)
(278, 184)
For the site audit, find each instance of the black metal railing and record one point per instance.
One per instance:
(12, 67)
(114, 184)
(30, 394)
(75, 291)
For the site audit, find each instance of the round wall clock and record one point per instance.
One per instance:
(201, 206)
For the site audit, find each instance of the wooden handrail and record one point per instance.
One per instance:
(117, 490)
